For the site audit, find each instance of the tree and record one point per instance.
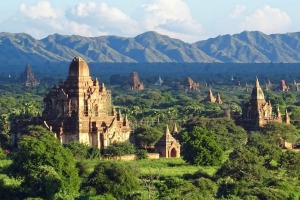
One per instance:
(227, 133)
(279, 132)
(176, 188)
(79, 150)
(242, 173)
(146, 136)
(120, 149)
(267, 150)
(4, 130)
(244, 164)
(41, 161)
(290, 162)
(200, 147)
(113, 178)
(2, 154)
(207, 187)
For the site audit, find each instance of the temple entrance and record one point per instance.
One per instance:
(173, 153)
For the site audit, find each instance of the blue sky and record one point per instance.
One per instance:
(188, 20)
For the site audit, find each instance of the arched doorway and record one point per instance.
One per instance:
(173, 153)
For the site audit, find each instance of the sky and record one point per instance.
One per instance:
(187, 20)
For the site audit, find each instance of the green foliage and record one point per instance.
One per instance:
(146, 136)
(244, 164)
(141, 154)
(93, 152)
(9, 188)
(207, 187)
(113, 178)
(4, 130)
(44, 182)
(228, 134)
(176, 188)
(120, 149)
(276, 132)
(200, 147)
(290, 162)
(84, 168)
(41, 161)
(295, 115)
(269, 151)
(2, 154)
(79, 150)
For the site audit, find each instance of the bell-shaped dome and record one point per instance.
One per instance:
(78, 68)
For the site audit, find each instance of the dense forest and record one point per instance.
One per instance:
(220, 160)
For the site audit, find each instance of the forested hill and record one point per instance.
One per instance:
(151, 47)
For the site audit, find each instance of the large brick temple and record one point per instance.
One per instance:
(80, 109)
(257, 112)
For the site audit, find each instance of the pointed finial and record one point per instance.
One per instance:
(278, 112)
(103, 87)
(125, 121)
(175, 130)
(219, 98)
(257, 82)
(167, 132)
(114, 112)
(119, 115)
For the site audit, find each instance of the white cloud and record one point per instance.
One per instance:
(173, 19)
(41, 10)
(238, 11)
(267, 20)
(42, 19)
(94, 19)
(104, 18)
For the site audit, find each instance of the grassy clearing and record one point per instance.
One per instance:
(167, 167)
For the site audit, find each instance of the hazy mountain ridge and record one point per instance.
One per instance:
(151, 47)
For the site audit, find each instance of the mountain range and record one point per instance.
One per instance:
(151, 47)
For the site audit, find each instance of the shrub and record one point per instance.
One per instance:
(112, 178)
(200, 147)
(2, 154)
(141, 154)
(120, 149)
(79, 150)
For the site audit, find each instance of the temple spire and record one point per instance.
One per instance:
(257, 93)
(175, 130)
(257, 83)
(167, 132)
(210, 96)
(287, 117)
(119, 115)
(219, 100)
(125, 121)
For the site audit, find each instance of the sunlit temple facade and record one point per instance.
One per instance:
(80, 109)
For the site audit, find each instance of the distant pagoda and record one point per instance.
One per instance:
(134, 82)
(27, 77)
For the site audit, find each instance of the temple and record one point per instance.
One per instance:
(210, 98)
(258, 112)
(189, 85)
(168, 146)
(79, 109)
(134, 82)
(27, 77)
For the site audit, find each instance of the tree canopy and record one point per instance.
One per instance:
(46, 168)
(114, 178)
(201, 148)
